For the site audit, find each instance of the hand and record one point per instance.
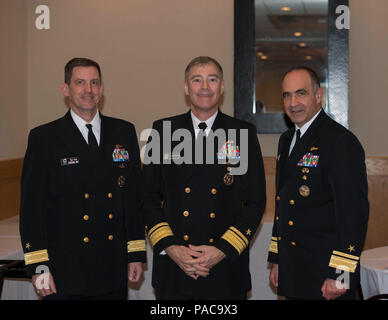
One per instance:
(332, 289)
(274, 275)
(180, 255)
(208, 258)
(135, 271)
(44, 284)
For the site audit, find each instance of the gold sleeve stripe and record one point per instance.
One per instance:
(136, 245)
(343, 264)
(274, 246)
(157, 226)
(345, 255)
(236, 239)
(159, 232)
(275, 238)
(157, 236)
(36, 256)
(240, 234)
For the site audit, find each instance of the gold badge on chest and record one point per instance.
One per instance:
(228, 179)
(121, 181)
(304, 191)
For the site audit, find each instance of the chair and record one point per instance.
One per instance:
(12, 269)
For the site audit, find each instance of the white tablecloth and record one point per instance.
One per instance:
(374, 272)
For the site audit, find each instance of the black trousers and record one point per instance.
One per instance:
(120, 294)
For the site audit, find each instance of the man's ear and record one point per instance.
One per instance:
(319, 95)
(65, 89)
(186, 87)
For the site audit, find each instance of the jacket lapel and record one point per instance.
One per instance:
(105, 148)
(283, 156)
(74, 144)
(71, 136)
(307, 140)
(185, 122)
(196, 168)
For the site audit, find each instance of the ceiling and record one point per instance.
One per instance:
(274, 30)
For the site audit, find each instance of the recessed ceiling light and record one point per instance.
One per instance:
(309, 57)
(264, 57)
(260, 53)
(302, 44)
(285, 8)
(297, 34)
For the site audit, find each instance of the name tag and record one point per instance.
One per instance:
(69, 161)
(172, 156)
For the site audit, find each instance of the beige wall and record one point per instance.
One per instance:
(143, 47)
(368, 117)
(13, 78)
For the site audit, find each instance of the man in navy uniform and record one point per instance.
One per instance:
(79, 219)
(201, 217)
(322, 206)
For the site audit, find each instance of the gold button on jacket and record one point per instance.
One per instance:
(216, 217)
(77, 185)
(324, 209)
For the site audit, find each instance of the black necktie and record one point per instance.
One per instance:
(93, 145)
(202, 126)
(297, 140)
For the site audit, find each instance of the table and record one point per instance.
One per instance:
(374, 272)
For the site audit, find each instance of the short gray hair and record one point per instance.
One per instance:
(203, 60)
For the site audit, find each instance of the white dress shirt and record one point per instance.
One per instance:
(81, 125)
(303, 130)
(209, 123)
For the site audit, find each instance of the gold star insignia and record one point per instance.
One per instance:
(351, 248)
(28, 246)
(248, 232)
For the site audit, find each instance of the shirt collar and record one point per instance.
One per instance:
(304, 128)
(81, 123)
(209, 121)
